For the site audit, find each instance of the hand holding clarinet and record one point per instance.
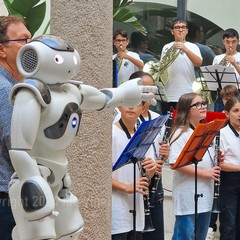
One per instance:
(162, 157)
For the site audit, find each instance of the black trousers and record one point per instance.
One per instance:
(229, 206)
(7, 222)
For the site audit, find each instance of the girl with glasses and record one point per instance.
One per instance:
(191, 110)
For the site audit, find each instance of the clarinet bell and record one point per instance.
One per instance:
(148, 224)
(216, 206)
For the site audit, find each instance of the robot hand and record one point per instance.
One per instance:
(148, 94)
(129, 94)
(135, 89)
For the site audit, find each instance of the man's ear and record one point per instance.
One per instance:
(2, 52)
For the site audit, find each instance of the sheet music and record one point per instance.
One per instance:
(218, 76)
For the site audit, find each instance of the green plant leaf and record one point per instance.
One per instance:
(30, 10)
(116, 4)
(22, 7)
(35, 17)
(126, 3)
(125, 16)
(122, 14)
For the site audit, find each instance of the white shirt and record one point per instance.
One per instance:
(217, 59)
(180, 73)
(184, 186)
(127, 68)
(230, 146)
(122, 219)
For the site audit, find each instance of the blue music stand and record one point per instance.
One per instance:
(136, 149)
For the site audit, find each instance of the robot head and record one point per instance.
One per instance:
(49, 59)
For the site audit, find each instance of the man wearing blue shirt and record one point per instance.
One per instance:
(13, 35)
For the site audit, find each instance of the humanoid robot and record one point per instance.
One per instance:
(46, 116)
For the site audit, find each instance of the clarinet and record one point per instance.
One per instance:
(216, 200)
(148, 227)
(157, 177)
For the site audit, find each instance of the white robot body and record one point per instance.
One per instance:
(46, 117)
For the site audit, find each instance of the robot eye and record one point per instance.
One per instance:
(58, 59)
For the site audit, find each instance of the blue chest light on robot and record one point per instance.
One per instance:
(74, 122)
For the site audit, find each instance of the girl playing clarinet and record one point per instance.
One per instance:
(191, 110)
(230, 175)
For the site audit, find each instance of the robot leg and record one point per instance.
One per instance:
(69, 222)
(43, 228)
(32, 200)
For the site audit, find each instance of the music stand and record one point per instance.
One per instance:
(194, 150)
(218, 76)
(136, 150)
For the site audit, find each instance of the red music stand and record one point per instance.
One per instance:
(194, 150)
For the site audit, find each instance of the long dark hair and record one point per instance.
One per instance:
(182, 116)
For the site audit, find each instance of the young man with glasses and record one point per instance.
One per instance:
(180, 64)
(13, 35)
(230, 41)
(231, 58)
(128, 62)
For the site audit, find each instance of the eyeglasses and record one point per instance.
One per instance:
(180, 27)
(121, 40)
(23, 40)
(199, 105)
(234, 42)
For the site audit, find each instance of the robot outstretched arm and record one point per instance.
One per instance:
(128, 94)
(64, 63)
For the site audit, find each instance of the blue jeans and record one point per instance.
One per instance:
(185, 226)
(6, 219)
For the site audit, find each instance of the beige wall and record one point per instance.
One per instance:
(87, 25)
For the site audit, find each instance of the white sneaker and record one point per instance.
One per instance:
(210, 234)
